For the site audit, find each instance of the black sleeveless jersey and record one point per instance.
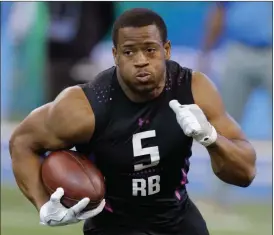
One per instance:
(140, 148)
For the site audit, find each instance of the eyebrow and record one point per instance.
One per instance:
(131, 44)
(128, 45)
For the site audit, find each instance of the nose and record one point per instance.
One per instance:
(141, 60)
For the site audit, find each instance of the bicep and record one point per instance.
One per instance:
(209, 100)
(58, 125)
(33, 132)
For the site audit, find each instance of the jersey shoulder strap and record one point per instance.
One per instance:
(180, 79)
(98, 93)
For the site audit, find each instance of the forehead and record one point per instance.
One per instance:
(139, 35)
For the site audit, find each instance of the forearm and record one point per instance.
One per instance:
(233, 161)
(27, 171)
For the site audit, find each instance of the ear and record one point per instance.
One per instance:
(114, 53)
(167, 48)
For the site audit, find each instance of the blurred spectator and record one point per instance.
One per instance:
(75, 28)
(247, 29)
(23, 72)
(6, 64)
(22, 19)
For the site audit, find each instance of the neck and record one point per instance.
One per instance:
(140, 97)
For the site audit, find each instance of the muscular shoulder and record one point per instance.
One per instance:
(70, 114)
(206, 95)
(71, 100)
(66, 121)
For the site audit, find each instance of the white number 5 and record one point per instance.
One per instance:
(139, 151)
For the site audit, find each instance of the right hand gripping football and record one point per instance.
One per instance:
(53, 213)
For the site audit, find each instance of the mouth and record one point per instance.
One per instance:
(143, 76)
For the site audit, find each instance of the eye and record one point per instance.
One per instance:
(128, 53)
(151, 50)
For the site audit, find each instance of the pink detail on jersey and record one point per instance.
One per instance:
(184, 177)
(178, 195)
(140, 122)
(108, 208)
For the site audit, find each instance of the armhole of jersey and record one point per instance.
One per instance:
(184, 90)
(185, 96)
(98, 93)
(98, 110)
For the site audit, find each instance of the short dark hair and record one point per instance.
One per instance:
(139, 17)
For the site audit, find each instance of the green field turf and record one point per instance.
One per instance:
(18, 217)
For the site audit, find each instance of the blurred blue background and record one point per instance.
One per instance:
(36, 60)
(186, 29)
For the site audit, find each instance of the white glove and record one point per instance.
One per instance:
(194, 122)
(53, 213)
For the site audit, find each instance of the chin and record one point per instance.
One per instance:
(149, 93)
(146, 89)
